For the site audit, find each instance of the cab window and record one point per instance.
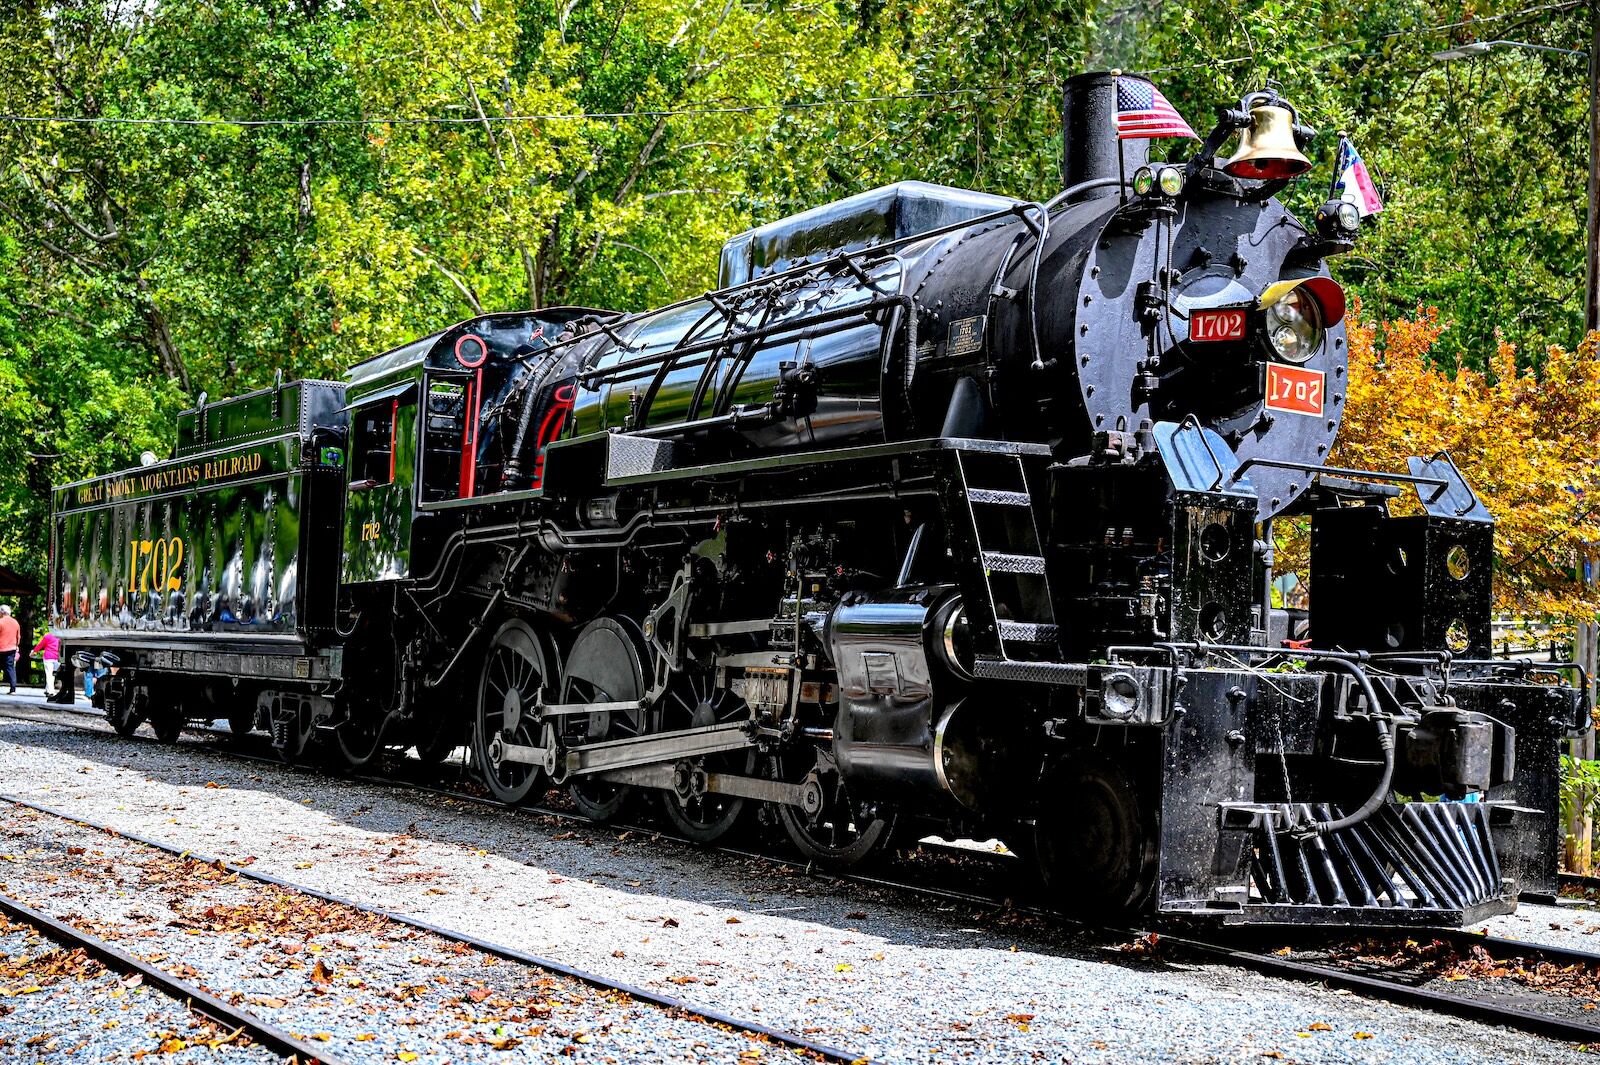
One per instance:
(372, 445)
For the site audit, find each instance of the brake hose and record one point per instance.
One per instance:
(1385, 744)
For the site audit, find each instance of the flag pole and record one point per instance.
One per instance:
(1116, 136)
(1338, 165)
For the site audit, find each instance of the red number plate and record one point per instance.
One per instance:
(1209, 327)
(1294, 390)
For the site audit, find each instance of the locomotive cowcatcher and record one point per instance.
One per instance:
(946, 511)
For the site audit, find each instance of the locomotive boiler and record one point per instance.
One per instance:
(945, 511)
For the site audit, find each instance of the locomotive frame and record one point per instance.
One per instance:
(938, 511)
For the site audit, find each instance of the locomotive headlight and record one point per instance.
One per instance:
(1338, 220)
(1294, 327)
(1144, 179)
(1170, 178)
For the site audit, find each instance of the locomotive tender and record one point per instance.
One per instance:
(945, 508)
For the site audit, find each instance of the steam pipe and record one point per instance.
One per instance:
(1380, 794)
(1348, 664)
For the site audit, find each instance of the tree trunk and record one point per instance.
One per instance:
(160, 337)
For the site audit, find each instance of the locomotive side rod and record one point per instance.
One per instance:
(592, 758)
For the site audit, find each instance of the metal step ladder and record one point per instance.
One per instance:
(999, 557)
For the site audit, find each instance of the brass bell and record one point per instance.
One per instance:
(1267, 149)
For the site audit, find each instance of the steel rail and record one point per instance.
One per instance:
(1376, 986)
(1396, 990)
(669, 1002)
(189, 995)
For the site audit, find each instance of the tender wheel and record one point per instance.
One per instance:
(692, 702)
(830, 831)
(1096, 839)
(124, 709)
(606, 665)
(516, 671)
(167, 723)
(290, 722)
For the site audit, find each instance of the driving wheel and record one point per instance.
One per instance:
(692, 701)
(517, 673)
(829, 828)
(606, 665)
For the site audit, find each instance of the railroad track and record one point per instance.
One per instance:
(194, 997)
(807, 1047)
(1222, 947)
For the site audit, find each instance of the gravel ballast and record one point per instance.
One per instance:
(364, 986)
(902, 980)
(57, 1003)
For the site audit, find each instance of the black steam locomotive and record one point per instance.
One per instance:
(945, 509)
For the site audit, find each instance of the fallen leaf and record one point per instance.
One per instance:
(734, 920)
(1319, 1027)
(320, 973)
(406, 1055)
(856, 915)
(478, 994)
(1362, 1035)
(842, 967)
(669, 922)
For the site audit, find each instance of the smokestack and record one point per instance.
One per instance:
(1089, 144)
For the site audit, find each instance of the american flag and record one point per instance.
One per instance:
(1143, 113)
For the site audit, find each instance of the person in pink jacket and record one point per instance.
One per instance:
(48, 651)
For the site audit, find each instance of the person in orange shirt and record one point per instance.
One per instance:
(10, 640)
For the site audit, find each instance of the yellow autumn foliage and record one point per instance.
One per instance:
(1527, 440)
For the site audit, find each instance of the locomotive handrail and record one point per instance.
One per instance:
(1438, 483)
(792, 325)
(836, 261)
(1083, 186)
(1191, 421)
